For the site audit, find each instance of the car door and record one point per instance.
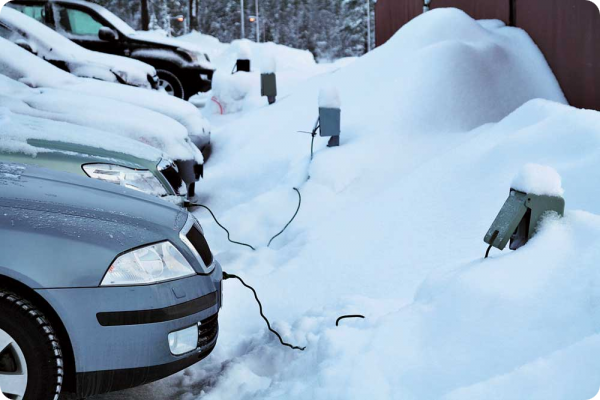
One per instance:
(82, 26)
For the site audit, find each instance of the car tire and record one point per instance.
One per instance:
(170, 83)
(30, 349)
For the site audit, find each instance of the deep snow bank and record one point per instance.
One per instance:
(436, 124)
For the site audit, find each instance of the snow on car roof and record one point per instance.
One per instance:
(51, 45)
(17, 129)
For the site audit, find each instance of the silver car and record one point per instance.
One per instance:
(101, 288)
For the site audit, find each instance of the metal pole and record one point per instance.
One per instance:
(257, 23)
(243, 19)
(368, 25)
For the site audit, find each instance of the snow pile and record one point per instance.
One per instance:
(24, 67)
(329, 97)
(224, 56)
(293, 67)
(538, 179)
(17, 130)
(242, 49)
(50, 45)
(392, 225)
(209, 44)
(268, 65)
(451, 76)
(229, 91)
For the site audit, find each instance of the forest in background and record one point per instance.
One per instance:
(330, 29)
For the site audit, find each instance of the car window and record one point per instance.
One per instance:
(34, 11)
(77, 22)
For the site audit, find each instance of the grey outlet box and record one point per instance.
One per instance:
(268, 86)
(330, 121)
(519, 218)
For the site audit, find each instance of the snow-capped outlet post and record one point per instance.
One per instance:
(330, 115)
(268, 79)
(535, 192)
(244, 56)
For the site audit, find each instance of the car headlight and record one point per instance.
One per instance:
(140, 180)
(151, 264)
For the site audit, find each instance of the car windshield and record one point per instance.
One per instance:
(113, 19)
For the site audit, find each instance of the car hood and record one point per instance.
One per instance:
(39, 189)
(63, 230)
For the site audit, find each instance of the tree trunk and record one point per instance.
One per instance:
(145, 15)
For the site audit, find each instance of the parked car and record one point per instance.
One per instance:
(101, 288)
(53, 47)
(126, 120)
(183, 69)
(23, 66)
(88, 152)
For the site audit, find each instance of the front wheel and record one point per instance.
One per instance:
(31, 364)
(170, 83)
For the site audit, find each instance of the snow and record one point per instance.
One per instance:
(268, 64)
(243, 50)
(437, 123)
(538, 179)
(157, 38)
(51, 45)
(329, 97)
(22, 66)
(147, 127)
(18, 129)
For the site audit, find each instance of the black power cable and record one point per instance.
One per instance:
(227, 276)
(337, 323)
(231, 276)
(291, 220)
(222, 227)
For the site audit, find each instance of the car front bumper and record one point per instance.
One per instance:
(119, 335)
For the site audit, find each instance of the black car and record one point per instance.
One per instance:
(183, 70)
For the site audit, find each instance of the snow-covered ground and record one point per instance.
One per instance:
(436, 125)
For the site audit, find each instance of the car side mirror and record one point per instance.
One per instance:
(108, 34)
(24, 45)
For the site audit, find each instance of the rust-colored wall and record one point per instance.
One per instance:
(391, 15)
(568, 33)
(478, 9)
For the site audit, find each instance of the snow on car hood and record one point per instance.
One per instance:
(106, 115)
(18, 129)
(24, 67)
(50, 45)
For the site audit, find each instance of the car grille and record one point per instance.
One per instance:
(208, 330)
(197, 240)
(172, 176)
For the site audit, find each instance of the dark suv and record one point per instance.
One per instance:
(183, 70)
